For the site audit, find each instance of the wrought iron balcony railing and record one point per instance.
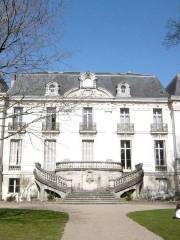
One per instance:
(17, 127)
(123, 128)
(161, 168)
(15, 167)
(87, 128)
(159, 128)
(50, 127)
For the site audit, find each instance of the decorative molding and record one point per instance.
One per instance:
(87, 80)
(52, 89)
(123, 90)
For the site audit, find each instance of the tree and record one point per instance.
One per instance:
(172, 37)
(28, 34)
(30, 31)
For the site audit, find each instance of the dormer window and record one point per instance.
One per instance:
(52, 89)
(123, 90)
(87, 80)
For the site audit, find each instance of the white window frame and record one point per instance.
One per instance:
(158, 149)
(157, 117)
(15, 156)
(14, 185)
(87, 150)
(88, 116)
(124, 116)
(125, 148)
(49, 154)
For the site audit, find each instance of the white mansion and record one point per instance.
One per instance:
(69, 132)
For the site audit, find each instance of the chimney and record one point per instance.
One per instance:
(13, 79)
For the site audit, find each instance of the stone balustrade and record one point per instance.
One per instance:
(128, 179)
(51, 179)
(92, 165)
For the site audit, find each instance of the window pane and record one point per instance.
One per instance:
(127, 144)
(122, 154)
(122, 143)
(128, 154)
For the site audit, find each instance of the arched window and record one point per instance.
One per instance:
(123, 89)
(52, 88)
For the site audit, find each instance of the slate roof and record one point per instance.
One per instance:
(174, 87)
(141, 85)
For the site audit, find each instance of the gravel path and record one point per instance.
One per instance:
(99, 222)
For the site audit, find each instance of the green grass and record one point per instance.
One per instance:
(24, 224)
(161, 222)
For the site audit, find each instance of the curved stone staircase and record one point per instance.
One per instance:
(63, 187)
(50, 181)
(129, 181)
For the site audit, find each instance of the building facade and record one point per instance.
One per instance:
(83, 132)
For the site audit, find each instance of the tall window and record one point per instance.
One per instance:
(87, 117)
(87, 150)
(15, 152)
(157, 117)
(124, 116)
(14, 185)
(160, 153)
(18, 113)
(51, 118)
(49, 154)
(126, 154)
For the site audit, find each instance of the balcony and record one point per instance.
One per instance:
(17, 127)
(93, 165)
(15, 167)
(160, 128)
(87, 128)
(50, 127)
(161, 168)
(125, 128)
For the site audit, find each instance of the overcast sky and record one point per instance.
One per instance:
(120, 36)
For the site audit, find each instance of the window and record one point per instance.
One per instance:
(18, 112)
(126, 154)
(157, 117)
(51, 118)
(87, 117)
(15, 152)
(14, 185)
(49, 154)
(123, 89)
(87, 150)
(124, 116)
(52, 89)
(160, 153)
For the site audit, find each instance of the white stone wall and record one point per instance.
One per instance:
(106, 115)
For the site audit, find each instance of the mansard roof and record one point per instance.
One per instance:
(142, 86)
(174, 87)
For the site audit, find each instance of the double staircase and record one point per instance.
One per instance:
(49, 181)
(86, 197)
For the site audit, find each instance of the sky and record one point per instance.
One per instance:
(119, 36)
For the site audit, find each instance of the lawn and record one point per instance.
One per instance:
(161, 222)
(24, 224)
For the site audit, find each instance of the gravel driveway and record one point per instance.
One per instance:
(99, 221)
